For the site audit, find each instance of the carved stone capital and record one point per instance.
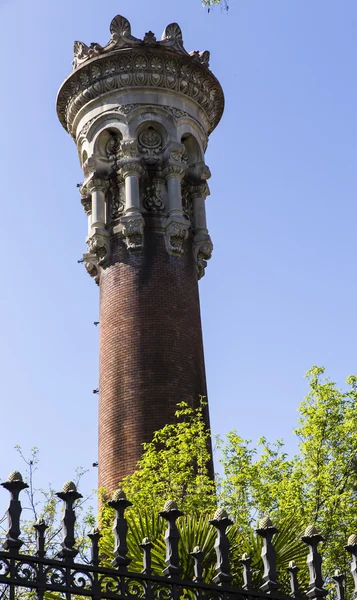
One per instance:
(95, 184)
(131, 168)
(129, 149)
(202, 251)
(174, 170)
(199, 191)
(133, 231)
(95, 166)
(176, 232)
(99, 246)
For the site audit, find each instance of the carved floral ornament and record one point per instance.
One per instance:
(127, 62)
(120, 30)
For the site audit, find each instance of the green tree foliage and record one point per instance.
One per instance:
(175, 465)
(317, 486)
(211, 3)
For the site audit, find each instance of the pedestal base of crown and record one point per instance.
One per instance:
(131, 229)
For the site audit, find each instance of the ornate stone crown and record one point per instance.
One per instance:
(127, 61)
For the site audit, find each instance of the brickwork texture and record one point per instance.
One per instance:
(151, 350)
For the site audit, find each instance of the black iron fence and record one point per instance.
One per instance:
(41, 577)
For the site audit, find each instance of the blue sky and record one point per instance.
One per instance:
(280, 291)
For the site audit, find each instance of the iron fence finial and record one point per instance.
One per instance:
(221, 521)
(120, 503)
(266, 530)
(68, 495)
(313, 538)
(14, 485)
(171, 513)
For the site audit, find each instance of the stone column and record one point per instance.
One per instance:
(198, 195)
(176, 225)
(97, 188)
(132, 221)
(202, 243)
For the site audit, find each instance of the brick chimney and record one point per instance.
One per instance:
(140, 113)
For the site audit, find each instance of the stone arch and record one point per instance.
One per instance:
(193, 149)
(155, 115)
(84, 156)
(103, 138)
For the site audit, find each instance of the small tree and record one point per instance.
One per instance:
(175, 464)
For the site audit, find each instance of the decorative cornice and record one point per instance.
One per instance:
(127, 62)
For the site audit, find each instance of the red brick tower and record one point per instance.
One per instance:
(140, 112)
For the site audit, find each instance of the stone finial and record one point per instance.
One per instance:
(264, 523)
(118, 494)
(69, 486)
(14, 476)
(310, 531)
(352, 540)
(220, 513)
(170, 505)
